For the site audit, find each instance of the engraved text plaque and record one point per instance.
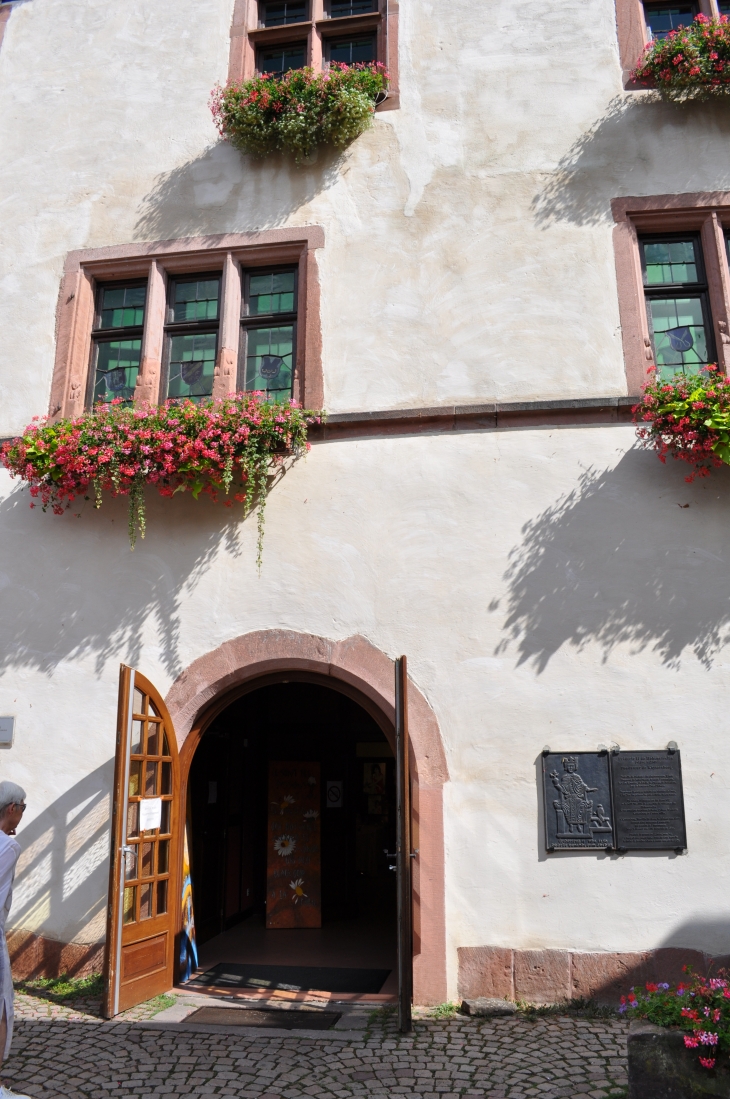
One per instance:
(648, 800)
(577, 798)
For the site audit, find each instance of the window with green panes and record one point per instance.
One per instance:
(117, 341)
(193, 315)
(675, 287)
(663, 18)
(268, 344)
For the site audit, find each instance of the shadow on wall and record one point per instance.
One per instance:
(622, 559)
(223, 191)
(62, 882)
(623, 151)
(96, 595)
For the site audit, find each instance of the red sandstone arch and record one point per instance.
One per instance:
(357, 668)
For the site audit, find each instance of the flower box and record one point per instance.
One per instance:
(297, 112)
(692, 62)
(661, 1067)
(687, 418)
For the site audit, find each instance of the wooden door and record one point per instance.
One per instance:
(403, 849)
(144, 900)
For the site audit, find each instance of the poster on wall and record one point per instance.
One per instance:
(293, 873)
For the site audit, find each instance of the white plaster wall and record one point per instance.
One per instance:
(547, 588)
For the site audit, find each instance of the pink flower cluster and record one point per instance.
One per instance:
(219, 446)
(690, 62)
(687, 418)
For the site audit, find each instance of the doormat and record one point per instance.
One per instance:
(270, 1017)
(291, 978)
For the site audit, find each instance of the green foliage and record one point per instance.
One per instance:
(64, 988)
(689, 419)
(300, 110)
(690, 63)
(444, 1011)
(160, 1003)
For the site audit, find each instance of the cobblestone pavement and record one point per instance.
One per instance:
(36, 1005)
(550, 1057)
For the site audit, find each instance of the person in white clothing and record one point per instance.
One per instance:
(12, 807)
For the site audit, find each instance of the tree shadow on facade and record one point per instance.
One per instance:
(622, 560)
(98, 596)
(623, 153)
(223, 191)
(60, 893)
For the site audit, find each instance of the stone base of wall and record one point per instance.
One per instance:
(551, 976)
(35, 956)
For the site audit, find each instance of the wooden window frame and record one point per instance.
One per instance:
(230, 254)
(247, 36)
(708, 216)
(633, 34)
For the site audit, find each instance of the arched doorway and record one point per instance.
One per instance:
(291, 810)
(357, 668)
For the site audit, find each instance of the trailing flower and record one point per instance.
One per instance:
(300, 110)
(692, 62)
(219, 447)
(701, 1006)
(687, 418)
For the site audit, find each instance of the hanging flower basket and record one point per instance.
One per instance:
(700, 1006)
(221, 448)
(300, 110)
(690, 63)
(689, 419)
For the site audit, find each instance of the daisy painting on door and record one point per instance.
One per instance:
(293, 851)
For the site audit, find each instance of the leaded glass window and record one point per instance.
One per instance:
(677, 305)
(351, 51)
(269, 349)
(724, 7)
(276, 13)
(117, 342)
(663, 18)
(279, 59)
(192, 336)
(339, 8)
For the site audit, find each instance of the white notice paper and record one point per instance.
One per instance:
(150, 814)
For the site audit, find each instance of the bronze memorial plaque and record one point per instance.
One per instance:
(577, 797)
(648, 801)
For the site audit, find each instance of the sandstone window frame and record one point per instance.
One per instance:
(705, 214)
(5, 13)
(232, 254)
(633, 34)
(247, 36)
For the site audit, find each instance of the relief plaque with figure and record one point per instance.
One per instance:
(577, 800)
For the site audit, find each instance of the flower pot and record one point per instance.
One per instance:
(661, 1067)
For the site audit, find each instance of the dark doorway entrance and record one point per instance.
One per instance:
(229, 800)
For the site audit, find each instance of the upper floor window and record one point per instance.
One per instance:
(117, 341)
(663, 18)
(351, 51)
(279, 59)
(340, 8)
(191, 336)
(675, 286)
(277, 13)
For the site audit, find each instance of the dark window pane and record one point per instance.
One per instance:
(145, 901)
(140, 702)
(165, 822)
(670, 262)
(165, 745)
(278, 12)
(350, 7)
(680, 338)
(133, 819)
(130, 862)
(147, 860)
(117, 366)
(196, 301)
(353, 50)
(153, 738)
(724, 7)
(192, 365)
(272, 293)
(166, 785)
(663, 18)
(128, 904)
(161, 897)
(150, 781)
(123, 306)
(269, 360)
(163, 856)
(281, 59)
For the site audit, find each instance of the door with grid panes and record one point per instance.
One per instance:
(144, 889)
